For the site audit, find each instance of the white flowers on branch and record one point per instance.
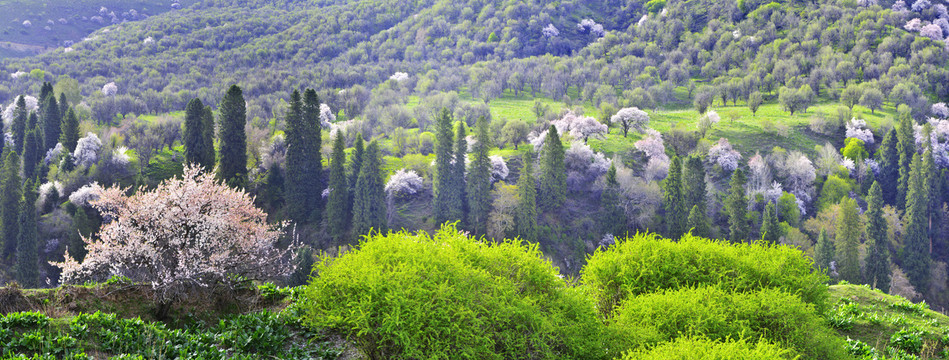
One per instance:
(657, 168)
(403, 183)
(550, 31)
(631, 119)
(87, 150)
(580, 127)
(187, 234)
(399, 76)
(723, 154)
(940, 110)
(857, 129)
(9, 112)
(110, 89)
(84, 195)
(499, 170)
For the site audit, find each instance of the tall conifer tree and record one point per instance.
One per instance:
(848, 230)
(693, 183)
(674, 201)
(339, 206)
(443, 169)
(457, 190)
(316, 182)
(906, 147)
(69, 131)
(52, 123)
(369, 205)
(355, 163)
(698, 223)
(736, 206)
(10, 186)
(526, 216)
(18, 128)
(553, 176)
(878, 263)
(824, 252)
(31, 153)
(612, 217)
(916, 260)
(194, 132)
(27, 260)
(479, 181)
(233, 167)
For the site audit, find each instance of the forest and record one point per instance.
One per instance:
(288, 156)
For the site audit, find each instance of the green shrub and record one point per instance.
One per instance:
(719, 314)
(705, 349)
(407, 295)
(646, 263)
(910, 341)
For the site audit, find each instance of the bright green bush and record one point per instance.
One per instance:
(719, 314)
(705, 349)
(416, 296)
(647, 263)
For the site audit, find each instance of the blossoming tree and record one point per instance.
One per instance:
(188, 234)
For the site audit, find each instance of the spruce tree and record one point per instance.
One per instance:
(479, 182)
(52, 123)
(824, 252)
(207, 136)
(315, 183)
(889, 176)
(31, 153)
(612, 217)
(194, 132)
(18, 128)
(526, 216)
(45, 91)
(63, 104)
(916, 260)
(457, 190)
(339, 206)
(27, 260)
(553, 176)
(906, 146)
(443, 159)
(698, 223)
(69, 131)
(878, 262)
(359, 150)
(848, 230)
(10, 186)
(369, 205)
(736, 206)
(233, 167)
(673, 200)
(297, 174)
(770, 229)
(693, 183)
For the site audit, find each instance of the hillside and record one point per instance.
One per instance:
(33, 27)
(821, 125)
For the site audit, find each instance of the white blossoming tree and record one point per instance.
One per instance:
(183, 237)
(631, 118)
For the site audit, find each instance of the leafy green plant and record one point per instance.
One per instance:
(646, 263)
(407, 295)
(717, 313)
(908, 340)
(701, 348)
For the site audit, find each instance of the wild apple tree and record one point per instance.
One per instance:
(188, 234)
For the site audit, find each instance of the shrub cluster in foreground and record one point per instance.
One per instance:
(406, 295)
